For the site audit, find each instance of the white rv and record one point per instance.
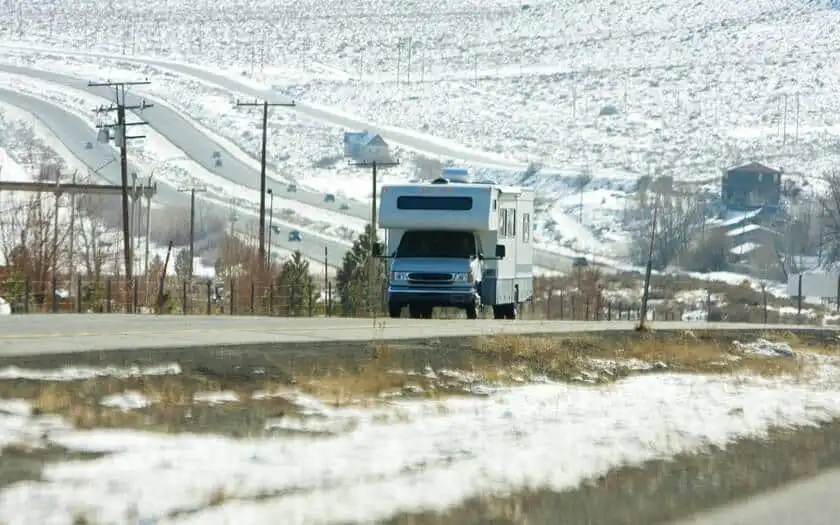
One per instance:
(457, 244)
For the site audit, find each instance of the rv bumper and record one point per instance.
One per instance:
(461, 297)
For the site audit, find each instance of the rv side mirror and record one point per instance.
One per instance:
(500, 251)
(378, 249)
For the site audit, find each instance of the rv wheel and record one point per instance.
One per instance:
(394, 311)
(472, 313)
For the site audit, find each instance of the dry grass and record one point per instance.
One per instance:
(431, 369)
(566, 357)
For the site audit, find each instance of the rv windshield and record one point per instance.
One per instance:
(455, 244)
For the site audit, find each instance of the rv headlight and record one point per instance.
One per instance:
(399, 276)
(463, 277)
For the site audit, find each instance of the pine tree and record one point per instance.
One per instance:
(361, 278)
(182, 264)
(295, 286)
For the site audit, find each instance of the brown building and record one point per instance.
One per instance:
(751, 186)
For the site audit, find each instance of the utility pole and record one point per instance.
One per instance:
(375, 165)
(265, 105)
(270, 223)
(642, 326)
(192, 191)
(408, 62)
(121, 139)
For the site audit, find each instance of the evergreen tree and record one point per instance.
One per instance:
(295, 286)
(182, 264)
(361, 278)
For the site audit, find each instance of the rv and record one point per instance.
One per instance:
(457, 244)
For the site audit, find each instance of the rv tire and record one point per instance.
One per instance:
(472, 312)
(394, 311)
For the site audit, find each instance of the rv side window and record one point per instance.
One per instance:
(503, 222)
(418, 202)
(526, 227)
(511, 222)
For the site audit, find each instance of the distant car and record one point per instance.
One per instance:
(329, 197)
(291, 187)
(580, 262)
(344, 206)
(294, 236)
(218, 162)
(275, 229)
(89, 145)
(217, 155)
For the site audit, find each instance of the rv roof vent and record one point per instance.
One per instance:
(440, 180)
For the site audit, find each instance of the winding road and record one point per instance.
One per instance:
(199, 147)
(74, 133)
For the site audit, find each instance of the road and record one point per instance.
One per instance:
(74, 133)
(67, 333)
(199, 147)
(812, 501)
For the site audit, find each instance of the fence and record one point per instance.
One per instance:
(245, 297)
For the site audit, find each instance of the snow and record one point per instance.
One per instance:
(126, 401)
(356, 465)
(529, 86)
(80, 373)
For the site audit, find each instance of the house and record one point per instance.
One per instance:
(751, 187)
(365, 146)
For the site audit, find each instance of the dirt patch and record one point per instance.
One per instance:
(22, 463)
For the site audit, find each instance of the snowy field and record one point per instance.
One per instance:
(695, 86)
(355, 465)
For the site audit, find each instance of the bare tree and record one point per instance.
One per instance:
(830, 217)
(677, 223)
(97, 239)
(798, 244)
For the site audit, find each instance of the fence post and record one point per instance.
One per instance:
(252, 299)
(562, 304)
(799, 300)
(232, 296)
(329, 299)
(26, 296)
(587, 310)
(309, 296)
(79, 293)
(548, 299)
(609, 311)
(292, 300)
(209, 294)
(271, 299)
(134, 295)
(184, 297)
(108, 295)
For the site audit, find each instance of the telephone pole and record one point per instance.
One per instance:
(265, 105)
(192, 191)
(121, 138)
(375, 164)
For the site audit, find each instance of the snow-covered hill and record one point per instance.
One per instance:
(621, 87)
(693, 85)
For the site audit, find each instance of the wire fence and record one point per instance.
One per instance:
(246, 297)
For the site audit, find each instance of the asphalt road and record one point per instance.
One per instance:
(200, 147)
(812, 501)
(66, 333)
(74, 133)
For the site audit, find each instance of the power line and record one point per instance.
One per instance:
(121, 138)
(265, 105)
(192, 192)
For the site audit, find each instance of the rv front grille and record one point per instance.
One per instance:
(430, 277)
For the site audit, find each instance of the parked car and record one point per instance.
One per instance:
(294, 236)
(275, 229)
(329, 197)
(89, 145)
(218, 162)
(217, 155)
(344, 206)
(291, 188)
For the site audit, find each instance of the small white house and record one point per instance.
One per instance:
(365, 146)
